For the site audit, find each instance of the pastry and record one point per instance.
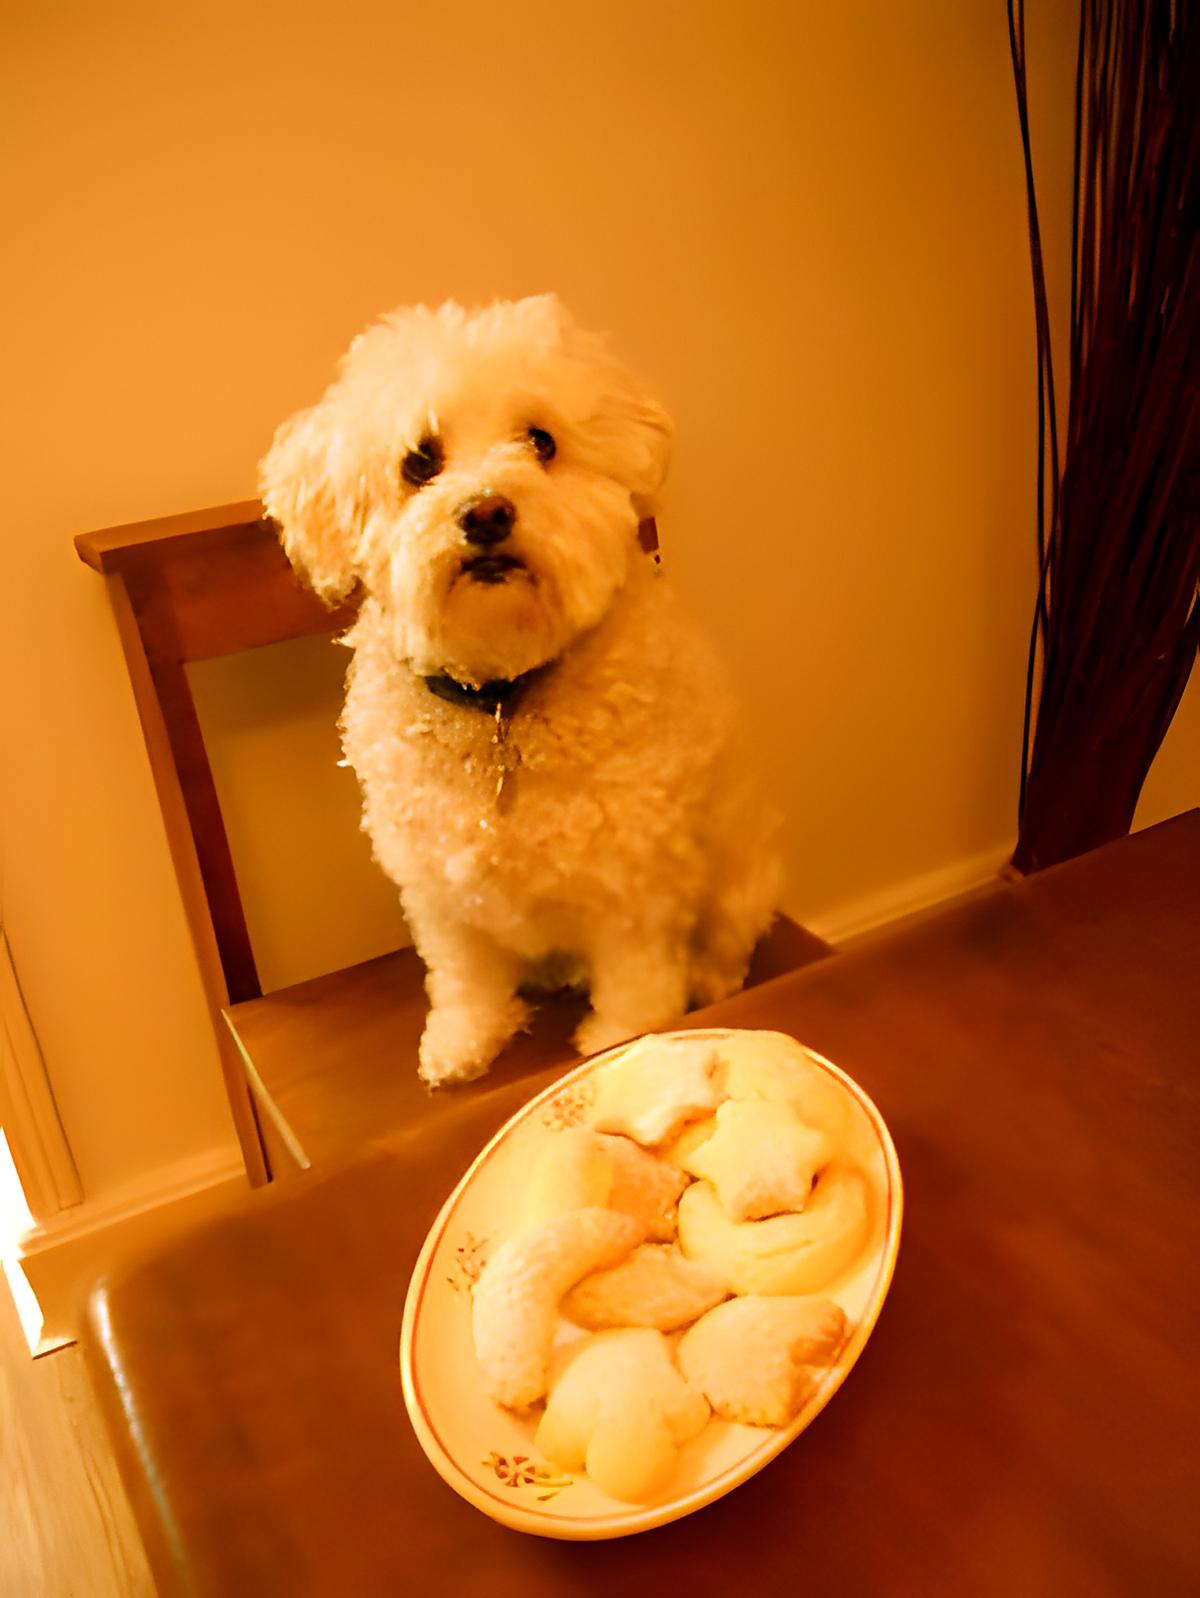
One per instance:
(642, 1185)
(795, 1253)
(655, 1286)
(515, 1302)
(750, 1357)
(772, 1066)
(677, 1151)
(619, 1408)
(571, 1172)
(656, 1087)
(581, 1169)
(761, 1159)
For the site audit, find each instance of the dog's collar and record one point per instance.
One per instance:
(500, 696)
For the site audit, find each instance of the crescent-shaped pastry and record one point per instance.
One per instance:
(515, 1301)
(785, 1254)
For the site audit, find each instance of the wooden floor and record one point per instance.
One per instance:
(66, 1530)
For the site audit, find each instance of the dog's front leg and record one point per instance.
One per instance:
(474, 1009)
(638, 984)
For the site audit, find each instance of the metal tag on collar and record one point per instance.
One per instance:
(509, 759)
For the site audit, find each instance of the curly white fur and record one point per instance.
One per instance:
(634, 844)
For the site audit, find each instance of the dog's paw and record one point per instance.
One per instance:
(598, 1032)
(459, 1045)
(439, 1071)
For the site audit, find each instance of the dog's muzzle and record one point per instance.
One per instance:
(486, 522)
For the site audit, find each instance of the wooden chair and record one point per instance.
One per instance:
(322, 1067)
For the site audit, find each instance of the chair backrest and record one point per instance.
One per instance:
(184, 589)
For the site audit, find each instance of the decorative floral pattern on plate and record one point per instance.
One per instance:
(521, 1471)
(469, 1259)
(569, 1107)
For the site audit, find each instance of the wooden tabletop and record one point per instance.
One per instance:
(1025, 1419)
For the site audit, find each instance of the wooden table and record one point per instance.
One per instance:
(1025, 1420)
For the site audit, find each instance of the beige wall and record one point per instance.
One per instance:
(804, 221)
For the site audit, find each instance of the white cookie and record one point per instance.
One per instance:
(761, 1159)
(655, 1286)
(693, 1135)
(785, 1254)
(515, 1302)
(772, 1066)
(642, 1185)
(750, 1356)
(656, 1087)
(619, 1407)
(572, 1171)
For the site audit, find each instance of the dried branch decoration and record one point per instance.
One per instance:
(1117, 622)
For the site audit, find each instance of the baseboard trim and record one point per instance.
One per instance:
(63, 1258)
(845, 923)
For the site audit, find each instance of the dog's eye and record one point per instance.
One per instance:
(543, 443)
(421, 465)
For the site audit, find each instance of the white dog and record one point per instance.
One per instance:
(545, 744)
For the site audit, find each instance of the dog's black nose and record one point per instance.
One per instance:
(487, 521)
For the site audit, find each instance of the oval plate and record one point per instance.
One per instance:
(485, 1452)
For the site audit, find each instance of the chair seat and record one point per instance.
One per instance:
(333, 1062)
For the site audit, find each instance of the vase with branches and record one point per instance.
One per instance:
(1116, 622)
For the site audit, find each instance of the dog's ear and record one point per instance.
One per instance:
(641, 436)
(635, 428)
(319, 522)
(650, 451)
